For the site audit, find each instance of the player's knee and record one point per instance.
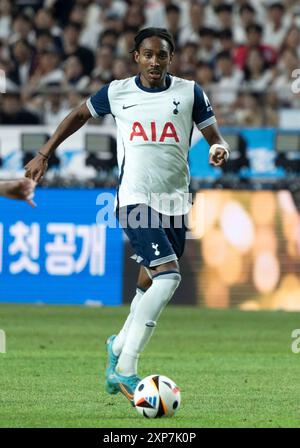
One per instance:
(175, 276)
(171, 281)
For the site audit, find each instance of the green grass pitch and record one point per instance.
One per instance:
(234, 369)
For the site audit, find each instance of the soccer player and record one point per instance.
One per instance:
(22, 189)
(155, 113)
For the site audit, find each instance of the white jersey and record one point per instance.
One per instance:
(154, 128)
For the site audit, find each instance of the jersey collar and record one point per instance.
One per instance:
(155, 90)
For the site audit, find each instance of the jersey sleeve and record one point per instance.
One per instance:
(203, 114)
(98, 104)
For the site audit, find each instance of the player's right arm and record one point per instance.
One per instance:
(37, 167)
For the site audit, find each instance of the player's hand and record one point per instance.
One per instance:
(22, 189)
(218, 157)
(36, 168)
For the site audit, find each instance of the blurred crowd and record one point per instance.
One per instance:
(56, 53)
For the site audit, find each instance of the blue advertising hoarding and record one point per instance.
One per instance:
(57, 252)
(260, 151)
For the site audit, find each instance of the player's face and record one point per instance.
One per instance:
(154, 58)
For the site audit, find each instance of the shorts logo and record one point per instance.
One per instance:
(155, 246)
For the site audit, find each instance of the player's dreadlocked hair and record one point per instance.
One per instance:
(150, 32)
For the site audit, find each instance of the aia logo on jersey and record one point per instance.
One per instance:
(168, 132)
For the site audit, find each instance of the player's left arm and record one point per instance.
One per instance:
(219, 148)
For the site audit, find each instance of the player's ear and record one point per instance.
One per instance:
(136, 56)
(171, 57)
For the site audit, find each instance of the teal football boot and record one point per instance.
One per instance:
(124, 384)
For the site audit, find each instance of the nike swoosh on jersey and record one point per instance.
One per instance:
(126, 107)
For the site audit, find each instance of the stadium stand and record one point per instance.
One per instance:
(243, 52)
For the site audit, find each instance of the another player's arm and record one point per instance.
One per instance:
(37, 167)
(219, 148)
(22, 189)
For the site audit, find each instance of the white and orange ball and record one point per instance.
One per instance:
(157, 396)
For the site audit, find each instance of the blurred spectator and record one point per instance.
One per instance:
(291, 7)
(5, 62)
(44, 21)
(190, 33)
(155, 14)
(134, 16)
(223, 12)
(104, 63)
(119, 7)
(61, 11)
(188, 57)
(12, 111)
(249, 113)
(32, 5)
(109, 38)
(126, 41)
(288, 62)
(90, 30)
(121, 68)
(226, 42)
(22, 28)
(291, 40)
(113, 21)
(257, 76)
(276, 27)
(208, 45)
(95, 85)
(254, 40)
(260, 7)
(229, 79)
(204, 74)
(6, 9)
(74, 74)
(72, 47)
(74, 99)
(173, 21)
(47, 69)
(271, 106)
(155, 11)
(55, 107)
(23, 61)
(246, 17)
(212, 19)
(44, 40)
(78, 13)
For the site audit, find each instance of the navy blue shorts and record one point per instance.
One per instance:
(155, 238)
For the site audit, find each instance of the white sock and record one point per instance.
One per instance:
(143, 323)
(120, 339)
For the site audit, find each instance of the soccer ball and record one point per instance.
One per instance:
(157, 396)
